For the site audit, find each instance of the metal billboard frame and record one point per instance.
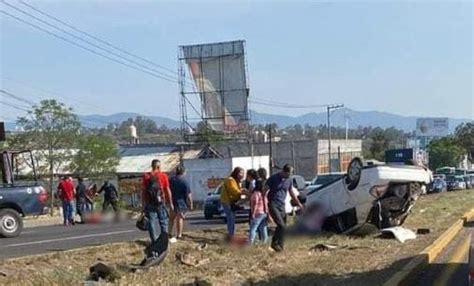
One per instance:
(188, 93)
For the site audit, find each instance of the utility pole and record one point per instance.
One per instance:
(329, 108)
(270, 167)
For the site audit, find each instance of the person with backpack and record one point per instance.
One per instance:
(111, 196)
(156, 194)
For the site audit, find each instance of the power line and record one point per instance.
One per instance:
(49, 92)
(19, 98)
(96, 38)
(14, 106)
(84, 47)
(158, 73)
(285, 105)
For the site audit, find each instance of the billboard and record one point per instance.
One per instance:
(432, 127)
(218, 73)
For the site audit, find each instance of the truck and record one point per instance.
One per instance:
(21, 194)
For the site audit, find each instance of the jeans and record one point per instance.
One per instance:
(68, 209)
(230, 218)
(259, 223)
(278, 213)
(157, 214)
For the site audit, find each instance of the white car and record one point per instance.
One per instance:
(379, 194)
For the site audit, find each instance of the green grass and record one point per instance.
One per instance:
(365, 260)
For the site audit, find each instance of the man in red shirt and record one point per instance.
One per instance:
(153, 207)
(67, 192)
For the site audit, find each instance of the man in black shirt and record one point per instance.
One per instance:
(110, 196)
(278, 186)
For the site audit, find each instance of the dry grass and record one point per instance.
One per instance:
(367, 260)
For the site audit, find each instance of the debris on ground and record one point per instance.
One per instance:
(423, 231)
(325, 247)
(202, 246)
(400, 233)
(188, 259)
(4, 274)
(100, 270)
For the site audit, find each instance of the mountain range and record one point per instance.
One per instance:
(338, 118)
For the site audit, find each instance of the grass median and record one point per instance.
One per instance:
(361, 260)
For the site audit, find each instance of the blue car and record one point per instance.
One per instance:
(439, 186)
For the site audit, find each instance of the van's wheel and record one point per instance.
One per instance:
(354, 172)
(11, 223)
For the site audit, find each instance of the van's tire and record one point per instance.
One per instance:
(11, 223)
(354, 172)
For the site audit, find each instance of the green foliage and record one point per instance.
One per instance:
(465, 135)
(50, 129)
(445, 152)
(97, 156)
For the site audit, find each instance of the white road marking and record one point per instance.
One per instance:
(68, 238)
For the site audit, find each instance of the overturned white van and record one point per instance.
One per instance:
(382, 195)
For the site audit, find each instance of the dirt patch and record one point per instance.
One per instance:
(357, 260)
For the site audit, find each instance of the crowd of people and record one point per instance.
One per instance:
(267, 203)
(166, 201)
(79, 199)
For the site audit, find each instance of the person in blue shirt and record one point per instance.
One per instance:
(278, 186)
(182, 201)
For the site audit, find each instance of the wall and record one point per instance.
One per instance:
(205, 174)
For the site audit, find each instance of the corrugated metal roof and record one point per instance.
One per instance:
(142, 163)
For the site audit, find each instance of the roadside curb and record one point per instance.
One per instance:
(429, 254)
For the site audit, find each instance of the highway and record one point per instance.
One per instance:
(452, 265)
(44, 239)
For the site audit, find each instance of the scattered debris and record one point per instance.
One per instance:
(422, 211)
(188, 259)
(325, 247)
(3, 274)
(400, 233)
(100, 270)
(423, 231)
(202, 246)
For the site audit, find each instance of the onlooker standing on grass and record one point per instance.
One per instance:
(111, 196)
(182, 202)
(279, 185)
(230, 195)
(155, 195)
(66, 193)
(258, 214)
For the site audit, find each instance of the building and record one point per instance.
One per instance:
(309, 157)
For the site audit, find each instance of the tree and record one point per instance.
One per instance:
(97, 156)
(50, 129)
(465, 135)
(445, 152)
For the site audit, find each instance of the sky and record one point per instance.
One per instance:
(404, 57)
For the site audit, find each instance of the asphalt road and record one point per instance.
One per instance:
(43, 239)
(452, 265)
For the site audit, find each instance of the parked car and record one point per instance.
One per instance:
(19, 197)
(469, 179)
(455, 183)
(438, 186)
(382, 195)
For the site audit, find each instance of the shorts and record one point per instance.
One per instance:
(180, 206)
